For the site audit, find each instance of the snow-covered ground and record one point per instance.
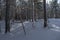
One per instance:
(38, 32)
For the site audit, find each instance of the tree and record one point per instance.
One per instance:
(45, 16)
(7, 19)
(0, 15)
(38, 8)
(22, 24)
(19, 11)
(0, 10)
(54, 9)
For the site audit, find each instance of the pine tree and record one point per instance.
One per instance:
(54, 5)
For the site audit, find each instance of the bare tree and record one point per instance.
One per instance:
(45, 16)
(0, 9)
(7, 20)
(0, 15)
(22, 24)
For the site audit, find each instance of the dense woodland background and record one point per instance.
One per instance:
(25, 8)
(29, 20)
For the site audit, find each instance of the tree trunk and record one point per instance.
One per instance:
(7, 19)
(0, 27)
(45, 16)
(27, 15)
(33, 14)
(22, 24)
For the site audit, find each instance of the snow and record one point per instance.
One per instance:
(52, 32)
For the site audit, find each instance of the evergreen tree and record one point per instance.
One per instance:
(54, 9)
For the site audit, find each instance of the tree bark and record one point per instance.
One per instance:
(7, 19)
(45, 16)
(22, 24)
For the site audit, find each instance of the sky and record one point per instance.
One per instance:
(46, 1)
(51, 0)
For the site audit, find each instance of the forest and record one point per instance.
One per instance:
(29, 17)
